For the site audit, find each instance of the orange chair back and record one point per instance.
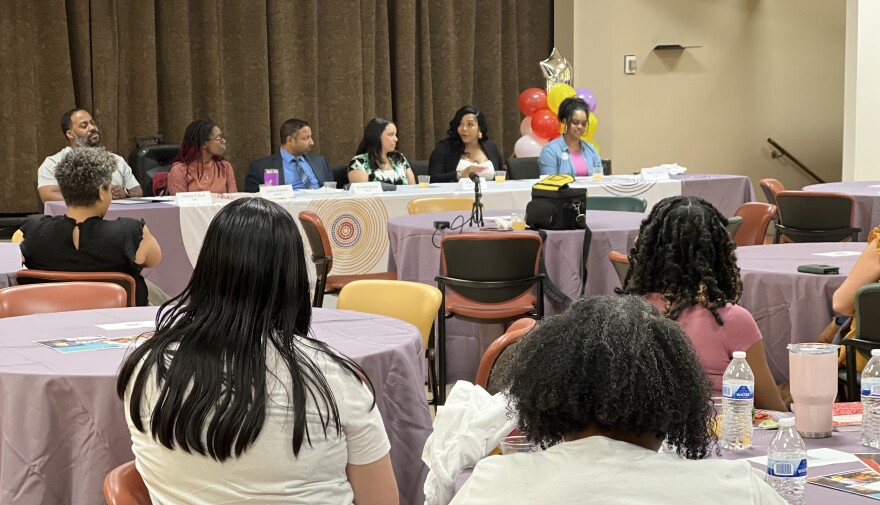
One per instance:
(124, 486)
(127, 282)
(756, 218)
(319, 240)
(620, 262)
(771, 188)
(516, 331)
(60, 297)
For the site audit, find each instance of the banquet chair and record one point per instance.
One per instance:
(620, 262)
(413, 302)
(523, 168)
(428, 205)
(150, 161)
(124, 486)
(419, 167)
(808, 216)
(618, 203)
(340, 175)
(28, 276)
(733, 225)
(60, 297)
(490, 278)
(322, 256)
(867, 336)
(496, 356)
(756, 217)
(771, 187)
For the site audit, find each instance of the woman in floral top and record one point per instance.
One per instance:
(377, 160)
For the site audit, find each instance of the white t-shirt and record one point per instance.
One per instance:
(486, 169)
(122, 176)
(601, 470)
(267, 472)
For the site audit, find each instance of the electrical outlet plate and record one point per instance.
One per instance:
(629, 64)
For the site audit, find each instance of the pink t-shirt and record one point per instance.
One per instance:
(580, 165)
(715, 344)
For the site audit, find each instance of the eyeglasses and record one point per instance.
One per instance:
(219, 138)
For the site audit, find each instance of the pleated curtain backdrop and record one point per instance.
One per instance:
(152, 67)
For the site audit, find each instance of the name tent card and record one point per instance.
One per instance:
(655, 174)
(366, 188)
(283, 192)
(465, 184)
(194, 198)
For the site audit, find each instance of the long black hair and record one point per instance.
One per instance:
(249, 291)
(452, 132)
(371, 143)
(685, 253)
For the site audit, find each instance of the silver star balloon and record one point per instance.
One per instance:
(556, 69)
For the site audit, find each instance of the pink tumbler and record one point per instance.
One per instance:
(813, 375)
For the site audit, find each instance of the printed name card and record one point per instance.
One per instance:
(655, 173)
(194, 198)
(366, 188)
(465, 184)
(283, 192)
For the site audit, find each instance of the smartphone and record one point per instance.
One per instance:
(819, 269)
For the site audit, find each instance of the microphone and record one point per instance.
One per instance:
(474, 177)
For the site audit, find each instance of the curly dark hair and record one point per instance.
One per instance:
(613, 363)
(81, 174)
(685, 253)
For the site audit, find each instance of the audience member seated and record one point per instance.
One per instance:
(232, 401)
(684, 263)
(377, 159)
(600, 387)
(82, 240)
(293, 162)
(865, 271)
(199, 165)
(570, 153)
(465, 149)
(80, 130)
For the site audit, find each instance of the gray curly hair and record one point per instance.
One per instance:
(81, 174)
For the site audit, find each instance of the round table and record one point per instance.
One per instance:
(63, 427)
(10, 262)
(867, 197)
(790, 306)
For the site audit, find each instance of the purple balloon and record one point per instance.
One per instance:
(588, 97)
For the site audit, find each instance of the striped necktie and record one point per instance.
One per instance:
(306, 180)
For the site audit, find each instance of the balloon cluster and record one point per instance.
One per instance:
(541, 123)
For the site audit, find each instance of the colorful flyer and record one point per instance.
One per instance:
(92, 343)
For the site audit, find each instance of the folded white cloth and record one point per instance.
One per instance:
(466, 429)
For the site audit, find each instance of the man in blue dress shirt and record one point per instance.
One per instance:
(293, 162)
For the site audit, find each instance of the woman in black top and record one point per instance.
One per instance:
(81, 240)
(465, 149)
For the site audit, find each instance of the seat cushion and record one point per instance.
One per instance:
(337, 282)
(459, 305)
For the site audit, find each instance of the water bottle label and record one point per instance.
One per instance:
(787, 468)
(738, 391)
(871, 388)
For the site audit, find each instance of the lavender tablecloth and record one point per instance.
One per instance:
(63, 427)
(10, 262)
(726, 192)
(867, 197)
(790, 306)
(415, 258)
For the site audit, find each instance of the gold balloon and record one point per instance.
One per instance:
(556, 69)
(556, 95)
(592, 124)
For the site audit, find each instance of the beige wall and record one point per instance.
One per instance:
(766, 68)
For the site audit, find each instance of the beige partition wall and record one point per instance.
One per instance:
(763, 68)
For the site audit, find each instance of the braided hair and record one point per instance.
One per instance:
(685, 253)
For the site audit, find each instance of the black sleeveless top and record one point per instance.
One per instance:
(104, 246)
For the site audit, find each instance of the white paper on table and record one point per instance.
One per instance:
(874, 186)
(127, 326)
(837, 254)
(817, 457)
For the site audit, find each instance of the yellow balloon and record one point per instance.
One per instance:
(557, 94)
(592, 124)
(595, 145)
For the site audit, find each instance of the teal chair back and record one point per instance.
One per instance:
(618, 203)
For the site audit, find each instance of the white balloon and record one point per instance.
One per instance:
(527, 147)
(540, 140)
(525, 127)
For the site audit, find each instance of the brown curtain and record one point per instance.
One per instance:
(152, 67)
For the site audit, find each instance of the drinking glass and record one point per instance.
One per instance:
(424, 180)
(515, 444)
(500, 176)
(329, 186)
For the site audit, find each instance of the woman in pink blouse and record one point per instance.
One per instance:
(199, 165)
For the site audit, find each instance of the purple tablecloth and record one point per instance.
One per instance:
(867, 211)
(415, 258)
(726, 192)
(163, 221)
(787, 305)
(63, 427)
(10, 262)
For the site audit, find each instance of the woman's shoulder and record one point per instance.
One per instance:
(398, 158)
(359, 162)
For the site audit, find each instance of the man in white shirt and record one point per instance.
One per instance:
(79, 129)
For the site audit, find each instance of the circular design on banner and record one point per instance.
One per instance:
(358, 229)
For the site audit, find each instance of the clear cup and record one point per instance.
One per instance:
(500, 176)
(515, 444)
(424, 181)
(329, 186)
(517, 223)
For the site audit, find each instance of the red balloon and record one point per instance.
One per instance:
(532, 100)
(545, 124)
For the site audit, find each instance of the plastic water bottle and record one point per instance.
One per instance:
(871, 401)
(738, 397)
(787, 463)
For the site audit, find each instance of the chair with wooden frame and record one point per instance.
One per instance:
(813, 216)
(60, 297)
(28, 276)
(496, 356)
(756, 217)
(428, 205)
(124, 486)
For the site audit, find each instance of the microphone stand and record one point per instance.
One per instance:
(477, 210)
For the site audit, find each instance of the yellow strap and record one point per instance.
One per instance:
(554, 182)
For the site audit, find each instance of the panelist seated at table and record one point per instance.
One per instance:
(601, 386)
(684, 262)
(295, 164)
(80, 130)
(465, 149)
(232, 401)
(199, 165)
(377, 159)
(570, 153)
(865, 271)
(82, 240)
